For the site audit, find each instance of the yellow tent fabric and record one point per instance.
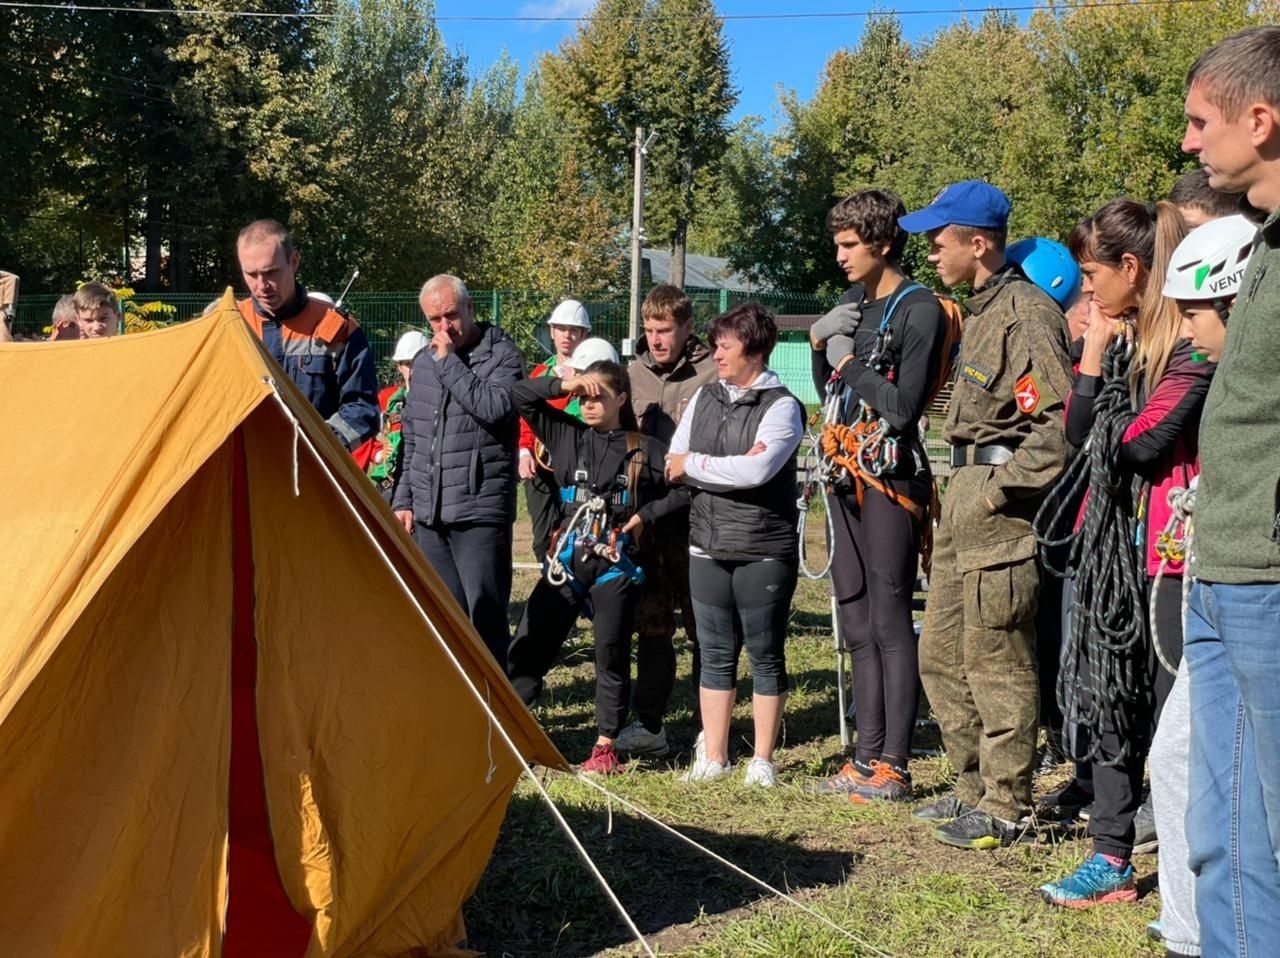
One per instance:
(385, 784)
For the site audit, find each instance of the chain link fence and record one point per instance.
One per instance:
(522, 313)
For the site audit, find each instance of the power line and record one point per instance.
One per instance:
(587, 18)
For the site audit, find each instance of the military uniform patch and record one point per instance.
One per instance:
(977, 375)
(1027, 393)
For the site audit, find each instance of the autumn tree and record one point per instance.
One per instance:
(659, 64)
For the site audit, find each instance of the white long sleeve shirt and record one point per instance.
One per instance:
(781, 430)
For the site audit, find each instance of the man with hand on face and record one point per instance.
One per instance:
(1008, 446)
(456, 492)
(325, 353)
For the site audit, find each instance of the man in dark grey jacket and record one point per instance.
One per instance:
(457, 488)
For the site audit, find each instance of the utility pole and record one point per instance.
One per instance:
(637, 240)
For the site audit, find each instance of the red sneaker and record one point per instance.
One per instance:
(603, 761)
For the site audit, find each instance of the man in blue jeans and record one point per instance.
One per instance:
(1232, 644)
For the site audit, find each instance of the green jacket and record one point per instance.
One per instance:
(1013, 375)
(1238, 502)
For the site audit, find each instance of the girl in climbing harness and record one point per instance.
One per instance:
(1135, 409)
(736, 447)
(879, 358)
(611, 486)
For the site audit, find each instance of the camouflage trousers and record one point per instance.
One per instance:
(978, 666)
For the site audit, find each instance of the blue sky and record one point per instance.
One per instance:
(766, 54)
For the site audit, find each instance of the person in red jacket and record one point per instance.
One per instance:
(379, 457)
(568, 325)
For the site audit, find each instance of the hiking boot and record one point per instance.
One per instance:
(982, 831)
(1145, 840)
(760, 771)
(945, 809)
(888, 784)
(1096, 882)
(705, 770)
(603, 761)
(851, 775)
(1050, 757)
(1066, 801)
(635, 739)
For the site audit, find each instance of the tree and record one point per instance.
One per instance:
(660, 64)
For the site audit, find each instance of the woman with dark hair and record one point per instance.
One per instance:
(611, 487)
(877, 362)
(735, 447)
(1124, 251)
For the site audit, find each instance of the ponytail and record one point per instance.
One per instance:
(1159, 322)
(1150, 232)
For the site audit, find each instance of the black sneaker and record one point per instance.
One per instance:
(944, 809)
(1065, 802)
(982, 831)
(1145, 841)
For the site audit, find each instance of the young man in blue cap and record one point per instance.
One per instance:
(1005, 428)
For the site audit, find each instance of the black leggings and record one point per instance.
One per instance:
(1117, 790)
(873, 576)
(548, 617)
(739, 603)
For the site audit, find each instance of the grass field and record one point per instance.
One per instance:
(872, 871)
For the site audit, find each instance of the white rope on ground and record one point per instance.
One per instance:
(480, 699)
(614, 796)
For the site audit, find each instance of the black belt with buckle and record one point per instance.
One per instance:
(988, 454)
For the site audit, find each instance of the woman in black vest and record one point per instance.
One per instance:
(611, 485)
(736, 447)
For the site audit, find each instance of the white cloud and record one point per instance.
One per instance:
(558, 8)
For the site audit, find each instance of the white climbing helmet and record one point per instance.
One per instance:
(592, 350)
(570, 313)
(408, 346)
(1210, 261)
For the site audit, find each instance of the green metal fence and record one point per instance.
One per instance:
(385, 316)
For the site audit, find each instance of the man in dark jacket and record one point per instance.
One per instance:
(456, 492)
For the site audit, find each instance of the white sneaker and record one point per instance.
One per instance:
(705, 770)
(760, 771)
(700, 746)
(638, 740)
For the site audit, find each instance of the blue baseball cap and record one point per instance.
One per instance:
(970, 203)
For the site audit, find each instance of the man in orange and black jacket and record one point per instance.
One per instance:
(323, 351)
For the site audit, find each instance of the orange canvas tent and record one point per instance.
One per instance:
(232, 712)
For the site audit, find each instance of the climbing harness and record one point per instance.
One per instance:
(1103, 657)
(595, 530)
(857, 451)
(1174, 545)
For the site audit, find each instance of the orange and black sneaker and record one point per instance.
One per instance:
(851, 775)
(889, 783)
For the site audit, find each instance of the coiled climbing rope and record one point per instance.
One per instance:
(1104, 656)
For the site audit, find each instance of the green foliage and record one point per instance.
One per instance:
(659, 64)
(158, 137)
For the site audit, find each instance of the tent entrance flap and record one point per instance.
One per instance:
(261, 923)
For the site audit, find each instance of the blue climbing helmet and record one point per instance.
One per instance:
(1048, 264)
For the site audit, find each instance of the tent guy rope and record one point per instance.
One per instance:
(486, 706)
(475, 691)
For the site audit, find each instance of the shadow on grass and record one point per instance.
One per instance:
(537, 898)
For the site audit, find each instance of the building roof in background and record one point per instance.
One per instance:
(700, 272)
